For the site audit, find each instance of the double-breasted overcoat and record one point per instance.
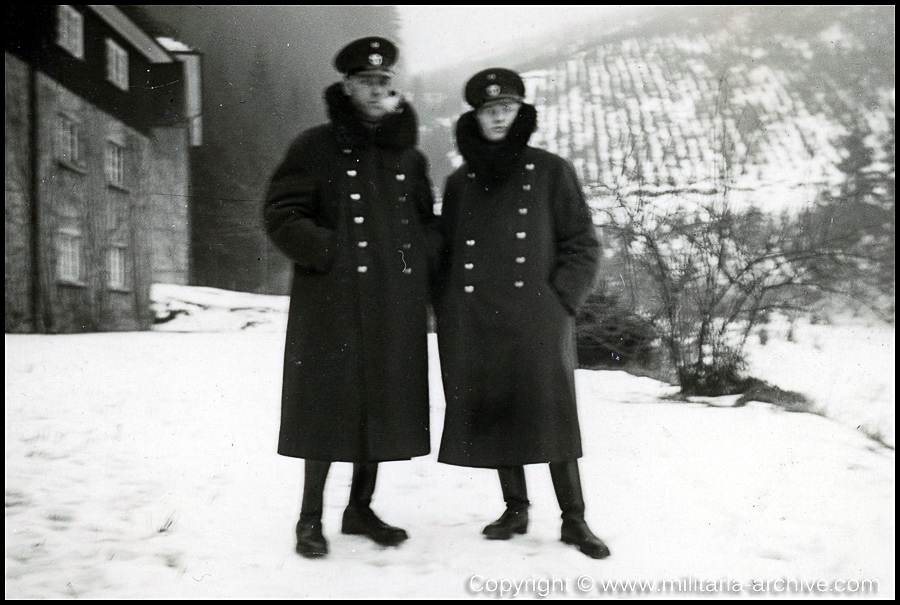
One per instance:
(520, 258)
(351, 206)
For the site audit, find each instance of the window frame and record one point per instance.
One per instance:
(69, 248)
(70, 30)
(117, 267)
(116, 65)
(69, 141)
(114, 164)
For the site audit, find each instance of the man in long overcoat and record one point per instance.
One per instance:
(351, 205)
(520, 258)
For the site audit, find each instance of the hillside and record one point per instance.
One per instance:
(758, 99)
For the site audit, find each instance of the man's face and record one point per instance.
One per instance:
(368, 91)
(496, 117)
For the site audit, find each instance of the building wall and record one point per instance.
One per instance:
(76, 196)
(17, 244)
(169, 173)
(125, 232)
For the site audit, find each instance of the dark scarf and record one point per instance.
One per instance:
(397, 130)
(493, 163)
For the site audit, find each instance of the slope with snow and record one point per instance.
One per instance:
(753, 99)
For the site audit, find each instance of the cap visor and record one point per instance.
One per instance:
(503, 97)
(387, 71)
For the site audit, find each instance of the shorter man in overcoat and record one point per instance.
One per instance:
(351, 205)
(520, 257)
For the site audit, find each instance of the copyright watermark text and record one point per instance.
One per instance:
(585, 584)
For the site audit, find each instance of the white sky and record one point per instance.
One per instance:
(437, 36)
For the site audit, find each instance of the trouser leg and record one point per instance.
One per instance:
(362, 485)
(567, 485)
(513, 486)
(314, 475)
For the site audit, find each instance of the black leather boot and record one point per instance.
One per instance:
(359, 519)
(514, 519)
(575, 531)
(311, 542)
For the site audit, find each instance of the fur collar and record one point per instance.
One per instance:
(397, 131)
(493, 163)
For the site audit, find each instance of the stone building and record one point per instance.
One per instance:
(100, 122)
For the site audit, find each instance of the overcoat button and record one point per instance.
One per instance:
(407, 246)
(362, 244)
(347, 151)
(362, 269)
(469, 289)
(359, 220)
(351, 173)
(355, 196)
(526, 187)
(469, 266)
(470, 242)
(401, 177)
(519, 284)
(523, 211)
(471, 175)
(404, 221)
(407, 271)
(520, 259)
(402, 198)
(529, 166)
(520, 235)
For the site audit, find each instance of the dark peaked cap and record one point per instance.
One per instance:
(366, 54)
(494, 84)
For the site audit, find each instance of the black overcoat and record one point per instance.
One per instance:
(351, 207)
(519, 262)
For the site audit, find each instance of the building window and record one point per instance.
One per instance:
(116, 267)
(70, 30)
(69, 133)
(116, 65)
(115, 164)
(69, 255)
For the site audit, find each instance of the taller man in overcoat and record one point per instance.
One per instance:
(351, 205)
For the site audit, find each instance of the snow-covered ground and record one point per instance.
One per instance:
(845, 367)
(143, 465)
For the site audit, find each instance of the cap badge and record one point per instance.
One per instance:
(376, 44)
(375, 59)
(492, 76)
(493, 90)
